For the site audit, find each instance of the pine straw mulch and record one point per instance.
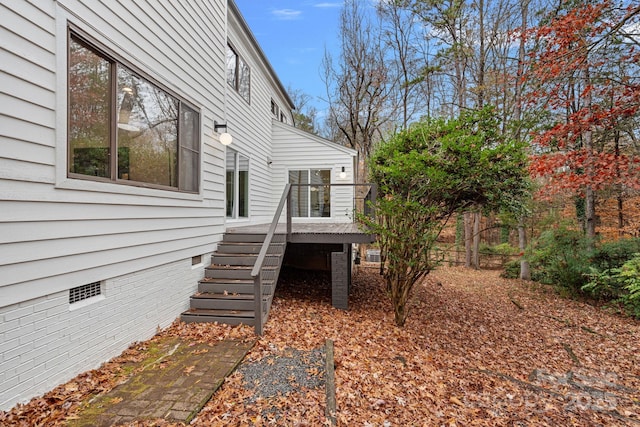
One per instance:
(477, 349)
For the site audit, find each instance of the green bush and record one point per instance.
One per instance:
(613, 254)
(512, 269)
(630, 275)
(560, 257)
(620, 284)
(501, 249)
(604, 285)
(604, 280)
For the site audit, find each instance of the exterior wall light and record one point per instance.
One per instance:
(225, 138)
(343, 174)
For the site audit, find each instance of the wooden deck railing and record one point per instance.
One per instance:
(262, 304)
(262, 312)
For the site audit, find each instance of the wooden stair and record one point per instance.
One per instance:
(226, 293)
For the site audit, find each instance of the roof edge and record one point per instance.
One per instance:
(234, 7)
(314, 137)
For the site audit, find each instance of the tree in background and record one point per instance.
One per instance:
(357, 84)
(584, 73)
(403, 36)
(305, 116)
(427, 173)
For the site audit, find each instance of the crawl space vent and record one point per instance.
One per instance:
(84, 292)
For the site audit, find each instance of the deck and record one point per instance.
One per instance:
(317, 232)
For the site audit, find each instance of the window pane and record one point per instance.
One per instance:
(243, 186)
(147, 131)
(231, 181)
(299, 194)
(89, 82)
(232, 59)
(320, 194)
(244, 81)
(189, 149)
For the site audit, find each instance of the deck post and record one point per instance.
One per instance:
(340, 279)
(289, 216)
(257, 295)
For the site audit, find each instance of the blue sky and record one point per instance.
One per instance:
(293, 35)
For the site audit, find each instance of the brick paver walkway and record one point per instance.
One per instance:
(174, 388)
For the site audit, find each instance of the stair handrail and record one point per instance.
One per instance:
(257, 267)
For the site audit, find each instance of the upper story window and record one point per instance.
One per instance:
(277, 112)
(238, 74)
(124, 128)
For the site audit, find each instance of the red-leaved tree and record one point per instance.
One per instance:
(584, 77)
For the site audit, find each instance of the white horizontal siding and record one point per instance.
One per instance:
(294, 149)
(58, 233)
(15, 149)
(21, 129)
(26, 171)
(250, 125)
(19, 232)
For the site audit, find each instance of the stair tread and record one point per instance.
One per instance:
(220, 313)
(235, 254)
(231, 266)
(229, 281)
(242, 255)
(236, 267)
(213, 295)
(232, 281)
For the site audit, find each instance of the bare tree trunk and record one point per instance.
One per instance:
(525, 272)
(589, 196)
(620, 200)
(481, 54)
(477, 216)
(468, 232)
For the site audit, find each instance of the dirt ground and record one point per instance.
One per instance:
(477, 349)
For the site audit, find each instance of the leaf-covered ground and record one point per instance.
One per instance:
(477, 350)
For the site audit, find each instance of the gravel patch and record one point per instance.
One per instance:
(281, 374)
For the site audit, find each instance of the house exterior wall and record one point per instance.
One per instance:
(294, 149)
(58, 233)
(251, 122)
(46, 341)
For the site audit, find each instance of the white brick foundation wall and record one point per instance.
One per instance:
(46, 341)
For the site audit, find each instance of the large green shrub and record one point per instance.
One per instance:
(604, 281)
(630, 275)
(613, 254)
(561, 257)
(428, 173)
(620, 284)
(512, 269)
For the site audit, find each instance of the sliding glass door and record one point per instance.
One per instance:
(312, 200)
(237, 190)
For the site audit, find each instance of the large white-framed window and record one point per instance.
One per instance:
(237, 185)
(125, 128)
(312, 200)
